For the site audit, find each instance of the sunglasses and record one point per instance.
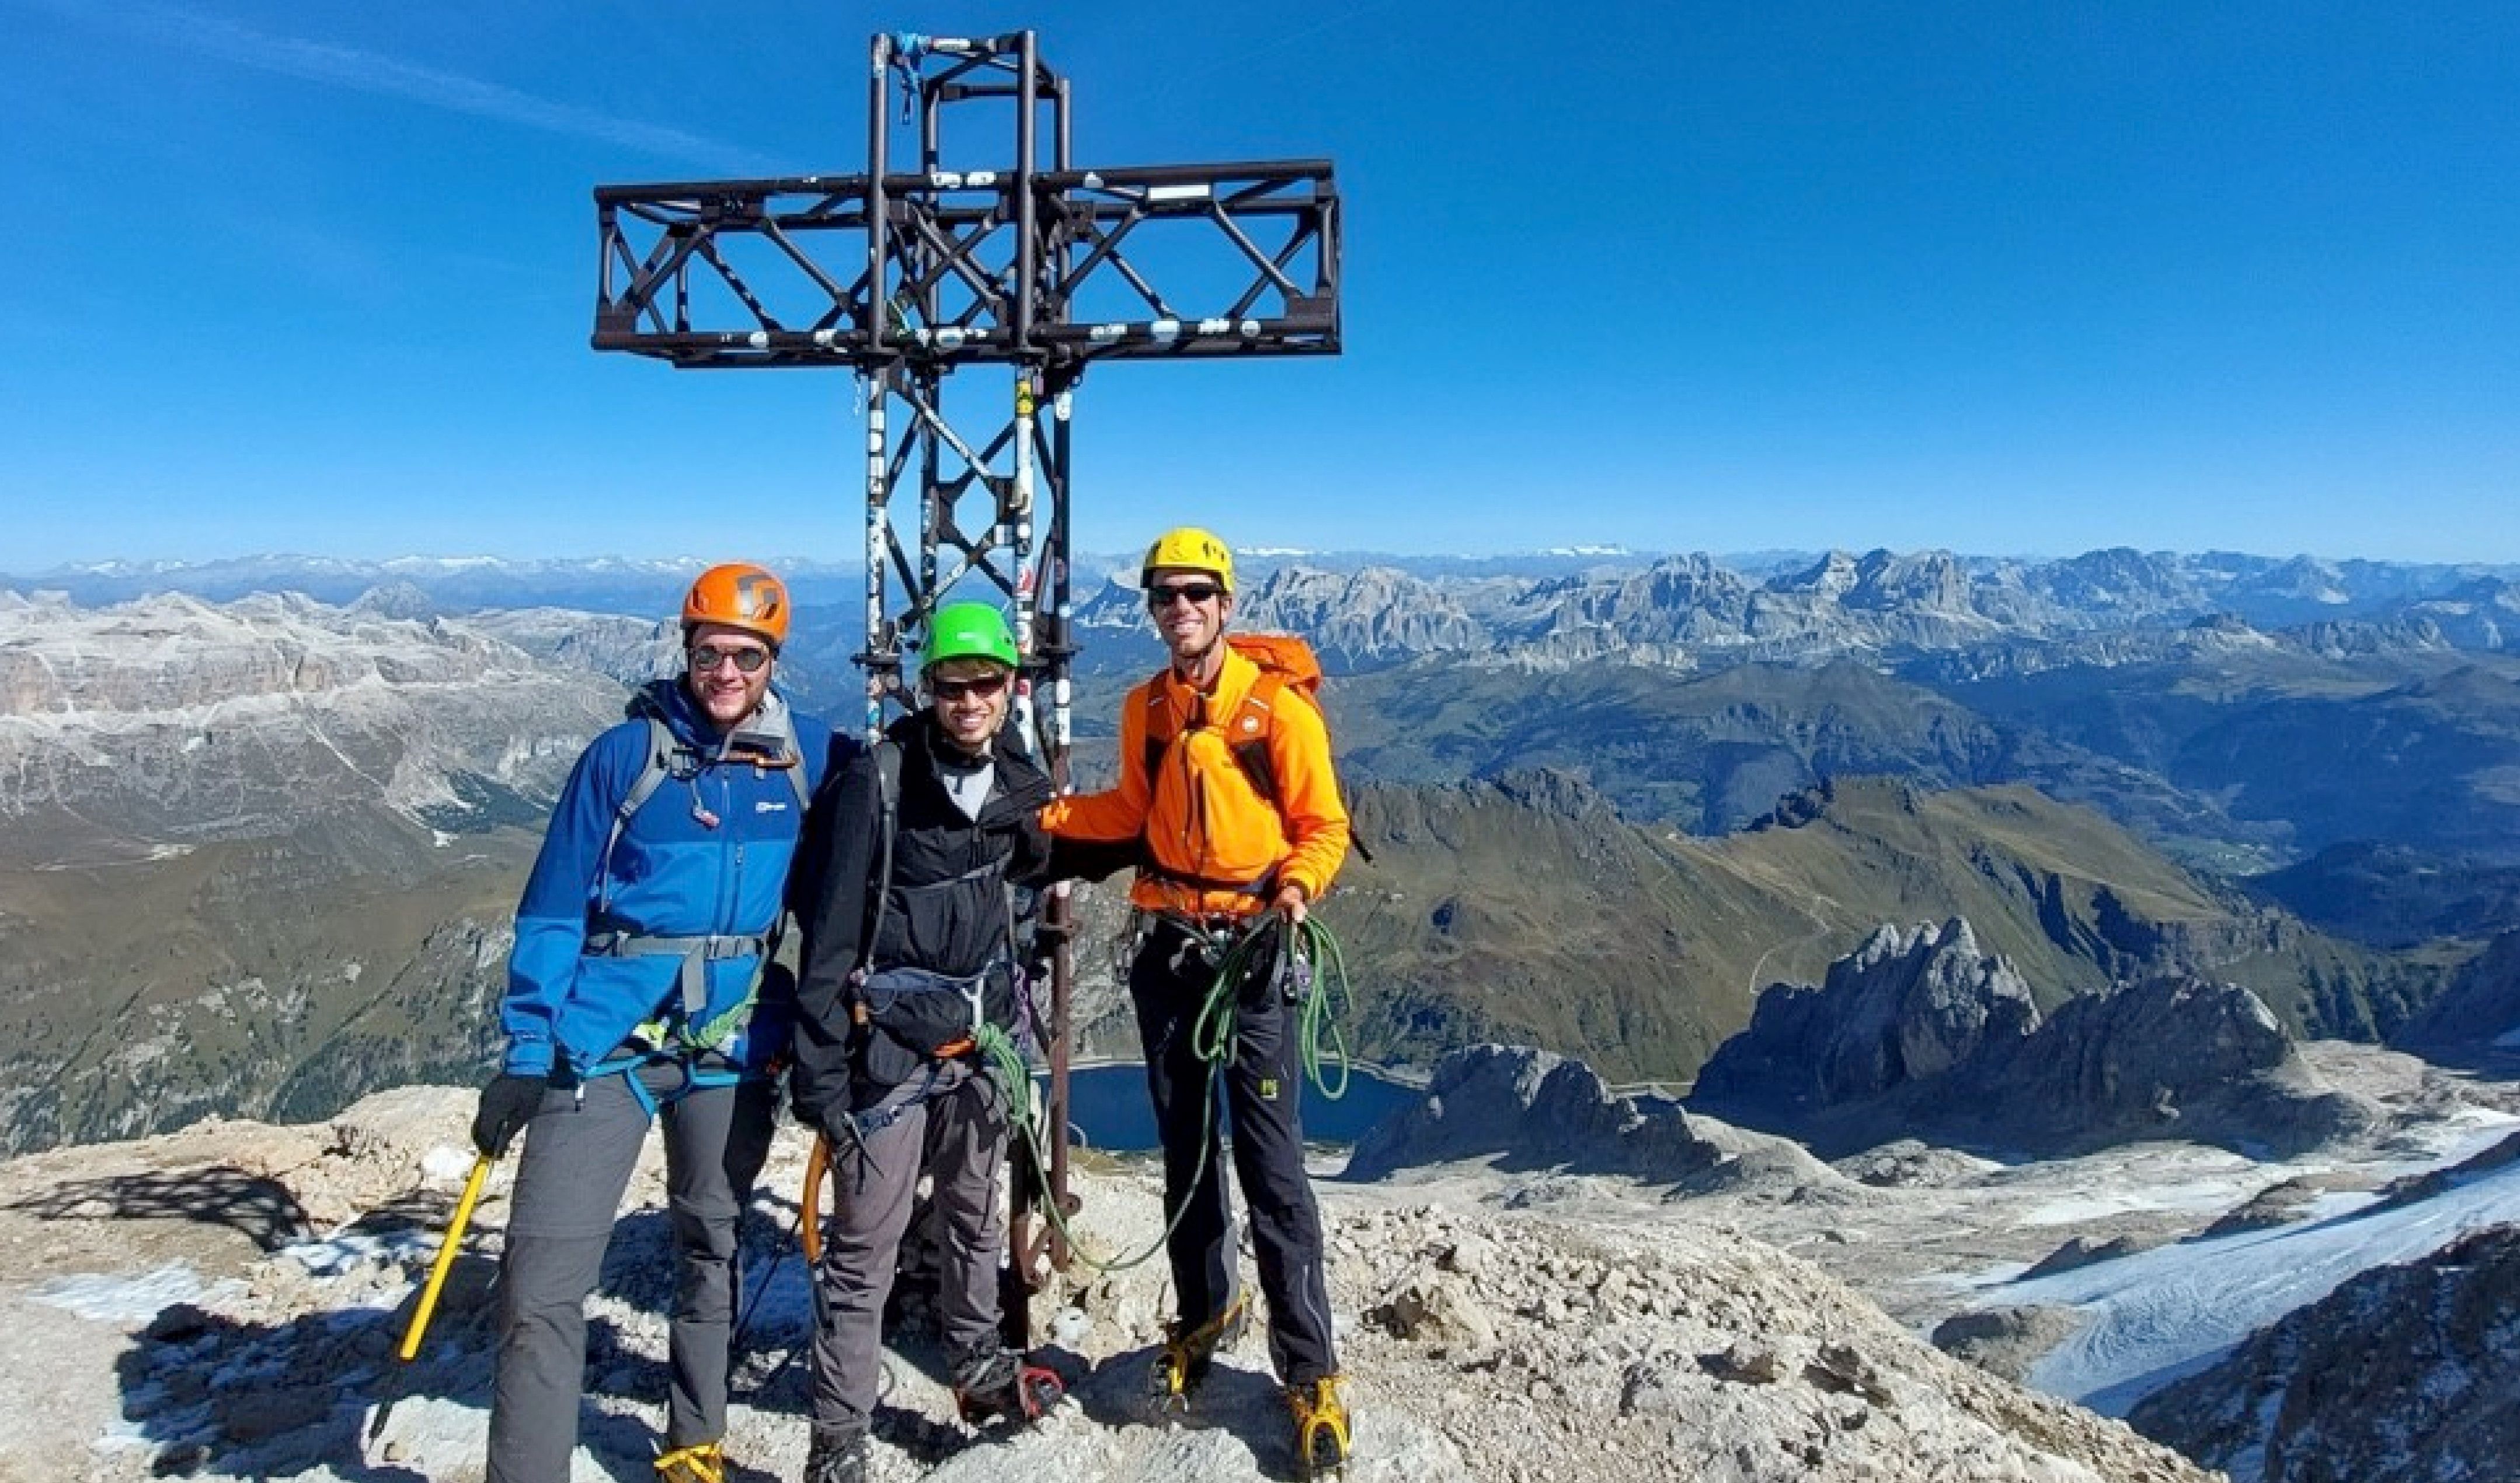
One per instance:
(980, 686)
(709, 657)
(1160, 597)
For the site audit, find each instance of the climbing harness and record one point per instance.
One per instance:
(1311, 974)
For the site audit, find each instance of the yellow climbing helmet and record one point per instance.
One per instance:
(1192, 549)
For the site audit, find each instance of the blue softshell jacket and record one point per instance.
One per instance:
(707, 855)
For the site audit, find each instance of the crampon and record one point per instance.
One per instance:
(1188, 1351)
(1320, 1428)
(1005, 1387)
(702, 1462)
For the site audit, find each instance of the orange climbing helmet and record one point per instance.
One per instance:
(740, 594)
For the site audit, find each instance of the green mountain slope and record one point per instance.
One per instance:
(1524, 909)
(278, 979)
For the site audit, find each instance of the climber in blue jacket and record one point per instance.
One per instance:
(640, 988)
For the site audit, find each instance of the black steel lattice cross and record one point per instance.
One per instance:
(906, 277)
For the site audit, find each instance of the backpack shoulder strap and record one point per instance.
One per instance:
(887, 823)
(664, 751)
(1249, 739)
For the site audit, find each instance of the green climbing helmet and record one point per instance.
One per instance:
(967, 631)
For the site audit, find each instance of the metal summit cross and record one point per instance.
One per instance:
(906, 277)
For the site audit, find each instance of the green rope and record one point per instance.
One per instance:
(1215, 1038)
(1322, 991)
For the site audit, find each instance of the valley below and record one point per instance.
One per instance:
(1897, 1016)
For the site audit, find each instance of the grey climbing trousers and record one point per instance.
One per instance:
(580, 1153)
(958, 1136)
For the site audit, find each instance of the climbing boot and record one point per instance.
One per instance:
(837, 1459)
(1001, 1384)
(1321, 1428)
(699, 1463)
(1188, 1351)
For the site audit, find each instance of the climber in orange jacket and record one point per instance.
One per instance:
(1228, 806)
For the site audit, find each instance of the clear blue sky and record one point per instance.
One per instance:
(1998, 276)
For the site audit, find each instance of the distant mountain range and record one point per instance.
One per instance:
(1610, 803)
(1764, 605)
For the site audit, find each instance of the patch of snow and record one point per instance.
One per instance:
(334, 1255)
(2159, 1313)
(134, 1299)
(447, 1167)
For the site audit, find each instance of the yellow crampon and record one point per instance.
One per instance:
(1188, 1351)
(699, 1463)
(1321, 1428)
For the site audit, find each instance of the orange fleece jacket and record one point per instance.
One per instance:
(1201, 817)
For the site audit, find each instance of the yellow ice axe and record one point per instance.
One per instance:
(446, 1251)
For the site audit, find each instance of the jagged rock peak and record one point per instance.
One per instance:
(396, 600)
(1919, 1032)
(1905, 1004)
(1832, 575)
(1547, 791)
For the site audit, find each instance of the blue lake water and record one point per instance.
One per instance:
(1107, 1106)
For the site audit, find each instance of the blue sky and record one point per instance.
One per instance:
(1997, 277)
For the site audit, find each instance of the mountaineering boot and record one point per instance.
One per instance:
(699, 1463)
(1189, 1349)
(1002, 1385)
(837, 1459)
(1321, 1428)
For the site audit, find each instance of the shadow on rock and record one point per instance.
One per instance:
(259, 1208)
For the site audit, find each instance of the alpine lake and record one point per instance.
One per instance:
(1109, 1109)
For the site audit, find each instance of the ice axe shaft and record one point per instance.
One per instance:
(446, 1249)
(816, 1164)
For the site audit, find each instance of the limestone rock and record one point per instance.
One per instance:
(1923, 1034)
(2005, 1341)
(1531, 1108)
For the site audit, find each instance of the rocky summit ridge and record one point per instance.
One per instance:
(222, 1303)
(1692, 611)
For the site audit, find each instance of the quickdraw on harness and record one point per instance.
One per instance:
(768, 740)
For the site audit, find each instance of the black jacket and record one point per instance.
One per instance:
(949, 907)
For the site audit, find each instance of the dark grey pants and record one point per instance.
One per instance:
(959, 1137)
(580, 1153)
(1263, 1089)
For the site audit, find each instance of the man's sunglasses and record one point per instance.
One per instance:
(709, 657)
(1160, 597)
(981, 685)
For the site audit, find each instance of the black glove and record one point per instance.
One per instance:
(508, 1103)
(820, 1098)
